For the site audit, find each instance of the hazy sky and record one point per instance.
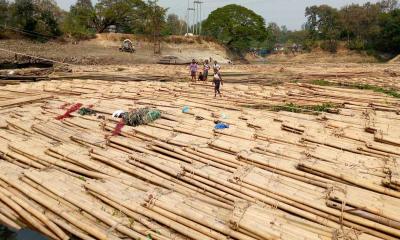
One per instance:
(283, 12)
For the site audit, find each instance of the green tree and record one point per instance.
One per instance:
(80, 21)
(155, 18)
(173, 25)
(37, 19)
(273, 35)
(48, 24)
(360, 24)
(296, 36)
(312, 22)
(323, 23)
(389, 36)
(371, 27)
(48, 16)
(283, 34)
(4, 15)
(122, 13)
(235, 26)
(24, 15)
(155, 22)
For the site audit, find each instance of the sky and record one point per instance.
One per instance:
(283, 12)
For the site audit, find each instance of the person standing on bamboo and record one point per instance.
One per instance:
(217, 69)
(193, 70)
(217, 81)
(206, 68)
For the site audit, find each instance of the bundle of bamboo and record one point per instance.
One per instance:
(271, 175)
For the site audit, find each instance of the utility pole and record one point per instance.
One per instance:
(188, 19)
(198, 5)
(181, 20)
(201, 18)
(154, 11)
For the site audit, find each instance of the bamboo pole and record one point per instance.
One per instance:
(53, 227)
(8, 222)
(174, 184)
(53, 206)
(170, 220)
(85, 205)
(25, 215)
(142, 219)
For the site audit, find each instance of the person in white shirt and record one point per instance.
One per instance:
(216, 67)
(217, 81)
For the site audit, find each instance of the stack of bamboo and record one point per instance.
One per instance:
(382, 75)
(271, 175)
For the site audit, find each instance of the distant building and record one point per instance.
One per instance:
(111, 29)
(287, 48)
(279, 48)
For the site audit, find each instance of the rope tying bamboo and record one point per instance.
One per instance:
(238, 213)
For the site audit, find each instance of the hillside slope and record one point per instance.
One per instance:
(103, 50)
(395, 60)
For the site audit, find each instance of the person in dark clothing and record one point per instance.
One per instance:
(217, 84)
(202, 77)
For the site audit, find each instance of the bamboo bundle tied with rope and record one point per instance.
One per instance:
(170, 175)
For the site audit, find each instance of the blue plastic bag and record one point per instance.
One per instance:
(221, 126)
(185, 109)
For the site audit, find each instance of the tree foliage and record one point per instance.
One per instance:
(3, 11)
(80, 21)
(43, 19)
(174, 26)
(155, 18)
(235, 26)
(38, 19)
(323, 22)
(24, 15)
(371, 26)
(389, 37)
(125, 14)
(129, 16)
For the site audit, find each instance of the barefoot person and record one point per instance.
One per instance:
(206, 68)
(217, 69)
(217, 82)
(193, 70)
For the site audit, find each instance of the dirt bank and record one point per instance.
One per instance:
(319, 56)
(104, 50)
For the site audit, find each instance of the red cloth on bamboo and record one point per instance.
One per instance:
(72, 109)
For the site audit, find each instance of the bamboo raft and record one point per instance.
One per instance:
(271, 175)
